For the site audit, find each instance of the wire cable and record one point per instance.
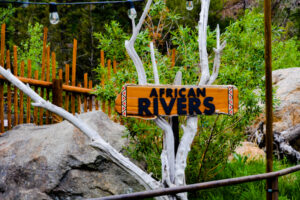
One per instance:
(71, 3)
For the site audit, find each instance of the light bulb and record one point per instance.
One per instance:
(189, 5)
(53, 16)
(131, 11)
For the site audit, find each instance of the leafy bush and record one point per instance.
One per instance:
(288, 185)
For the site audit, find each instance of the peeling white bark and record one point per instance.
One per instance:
(96, 140)
(178, 78)
(129, 45)
(168, 146)
(217, 60)
(202, 40)
(154, 65)
(184, 148)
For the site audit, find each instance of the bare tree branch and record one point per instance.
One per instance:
(129, 45)
(217, 60)
(155, 72)
(202, 40)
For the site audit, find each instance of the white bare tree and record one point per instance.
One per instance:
(173, 167)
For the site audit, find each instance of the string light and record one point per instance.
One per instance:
(131, 11)
(189, 5)
(54, 17)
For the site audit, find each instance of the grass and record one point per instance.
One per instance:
(289, 185)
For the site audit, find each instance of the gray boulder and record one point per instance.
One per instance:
(57, 162)
(287, 112)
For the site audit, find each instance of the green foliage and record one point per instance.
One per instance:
(243, 59)
(32, 47)
(6, 14)
(145, 144)
(112, 41)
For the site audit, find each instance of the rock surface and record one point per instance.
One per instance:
(286, 112)
(287, 83)
(249, 149)
(56, 162)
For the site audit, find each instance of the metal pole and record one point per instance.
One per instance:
(268, 83)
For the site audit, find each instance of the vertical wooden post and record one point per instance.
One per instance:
(2, 52)
(67, 78)
(48, 79)
(60, 74)
(35, 110)
(74, 75)
(53, 66)
(173, 57)
(44, 62)
(44, 53)
(268, 93)
(108, 77)
(1, 107)
(85, 85)
(102, 79)
(28, 98)
(57, 91)
(8, 92)
(22, 96)
(15, 88)
(115, 66)
(91, 97)
(79, 100)
(48, 64)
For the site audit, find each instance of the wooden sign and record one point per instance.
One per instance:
(171, 100)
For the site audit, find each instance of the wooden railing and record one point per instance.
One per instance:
(207, 185)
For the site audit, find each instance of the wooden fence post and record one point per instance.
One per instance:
(102, 78)
(173, 57)
(48, 79)
(108, 77)
(22, 96)
(28, 98)
(74, 75)
(8, 92)
(35, 109)
(1, 108)
(15, 88)
(67, 78)
(85, 85)
(2, 52)
(57, 100)
(78, 100)
(90, 98)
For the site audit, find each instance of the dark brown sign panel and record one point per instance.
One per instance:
(172, 100)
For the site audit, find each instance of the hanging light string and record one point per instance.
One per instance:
(54, 17)
(70, 3)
